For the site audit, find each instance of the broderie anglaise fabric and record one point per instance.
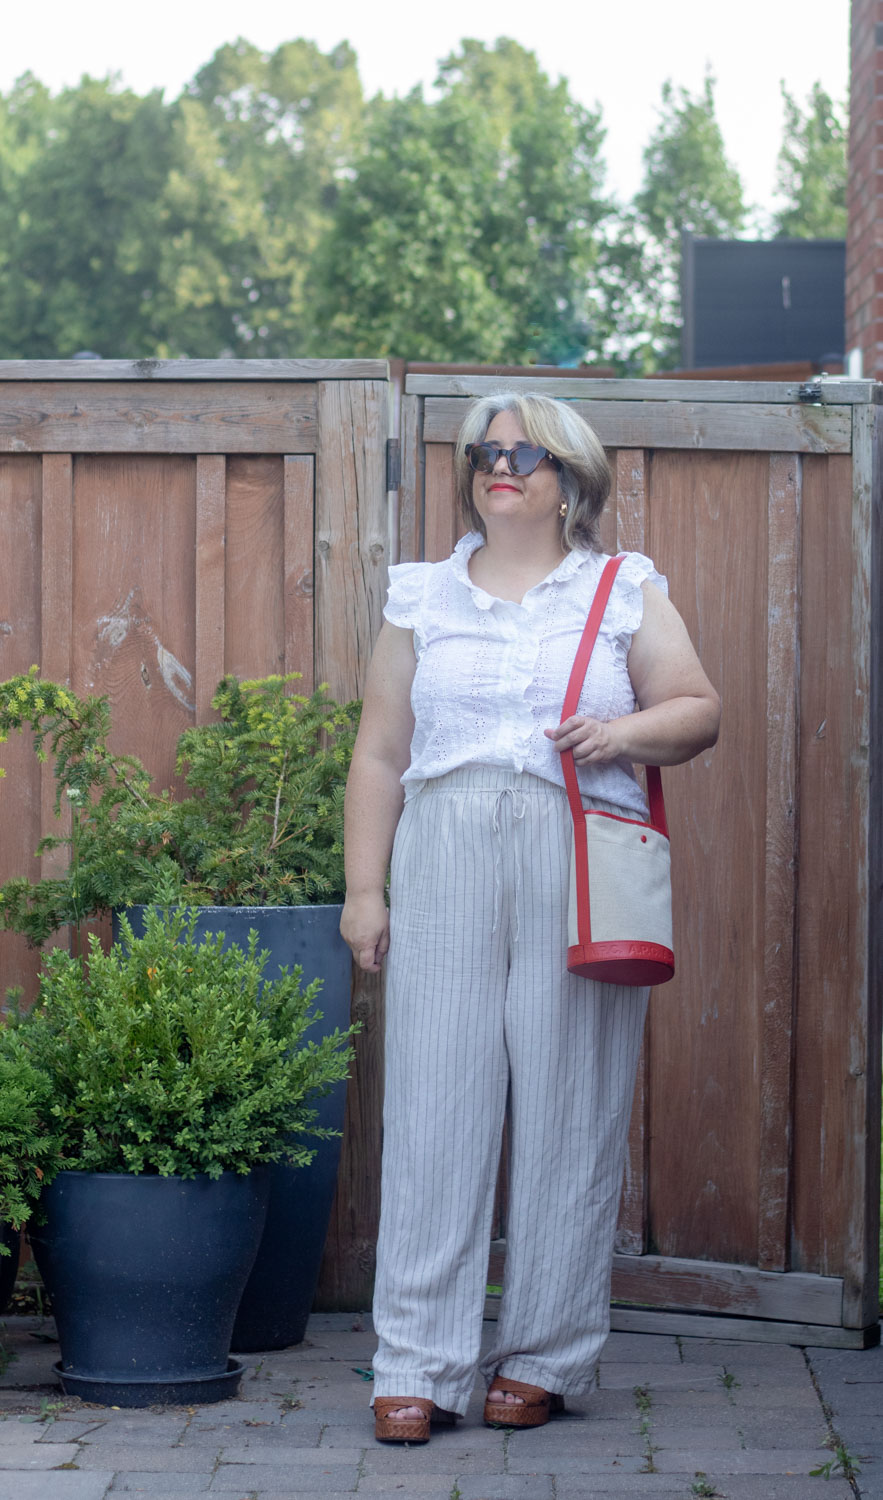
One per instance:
(491, 674)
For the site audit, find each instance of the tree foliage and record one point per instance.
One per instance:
(812, 165)
(271, 211)
(689, 184)
(467, 230)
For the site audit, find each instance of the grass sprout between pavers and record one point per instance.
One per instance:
(644, 1404)
(843, 1463)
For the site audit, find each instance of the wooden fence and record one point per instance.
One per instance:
(165, 523)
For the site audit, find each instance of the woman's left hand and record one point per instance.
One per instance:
(592, 741)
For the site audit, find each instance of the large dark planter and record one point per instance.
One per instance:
(145, 1275)
(276, 1303)
(8, 1263)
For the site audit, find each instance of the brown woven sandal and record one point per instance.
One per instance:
(535, 1412)
(389, 1429)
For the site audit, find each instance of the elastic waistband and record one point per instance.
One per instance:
(496, 779)
(491, 779)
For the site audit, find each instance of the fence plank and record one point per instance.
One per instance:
(133, 617)
(673, 1282)
(351, 562)
(299, 564)
(56, 610)
(831, 390)
(21, 500)
(255, 561)
(351, 530)
(440, 509)
(411, 490)
(211, 526)
(204, 370)
(266, 417)
(862, 1094)
(826, 997)
(685, 424)
(705, 511)
(630, 494)
(780, 864)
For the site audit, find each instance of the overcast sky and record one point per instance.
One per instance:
(615, 55)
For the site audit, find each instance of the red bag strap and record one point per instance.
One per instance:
(571, 703)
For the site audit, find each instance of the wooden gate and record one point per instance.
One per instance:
(165, 523)
(751, 1202)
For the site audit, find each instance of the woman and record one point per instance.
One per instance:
(456, 774)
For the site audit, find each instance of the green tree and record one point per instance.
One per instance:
(266, 140)
(136, 227)
(81, 251)
(811, 175)
(689, 184)
(467, 230)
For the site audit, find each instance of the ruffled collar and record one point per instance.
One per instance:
(473, 540)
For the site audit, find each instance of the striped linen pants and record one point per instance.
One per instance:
(482, 1016)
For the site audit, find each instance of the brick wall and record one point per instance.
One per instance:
(864, 246)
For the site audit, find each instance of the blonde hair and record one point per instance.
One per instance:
(583, 479)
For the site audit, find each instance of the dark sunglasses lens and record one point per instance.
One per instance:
(482, 456)
(524, 458)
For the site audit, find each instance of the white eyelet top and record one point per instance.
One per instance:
(491, 674)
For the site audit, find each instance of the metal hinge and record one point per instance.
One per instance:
(811, 391)
(393, 464)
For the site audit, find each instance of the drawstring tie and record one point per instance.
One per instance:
(517, 813)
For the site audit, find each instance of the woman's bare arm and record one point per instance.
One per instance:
(374, 795)
(680, 710)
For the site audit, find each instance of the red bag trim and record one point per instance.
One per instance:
(622, 962)
(658, 820)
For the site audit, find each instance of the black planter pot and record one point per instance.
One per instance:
(8, 1263)
(279, 1294)
(145, 1275)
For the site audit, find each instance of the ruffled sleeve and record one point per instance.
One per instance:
(404, 603)
(625, 610)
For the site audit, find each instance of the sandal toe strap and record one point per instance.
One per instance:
(532, 1395)
(383, 1405)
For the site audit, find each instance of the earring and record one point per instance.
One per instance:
(562, 509)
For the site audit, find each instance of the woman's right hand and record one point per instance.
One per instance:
(364, 925)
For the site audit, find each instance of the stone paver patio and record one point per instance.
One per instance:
(669, 1417)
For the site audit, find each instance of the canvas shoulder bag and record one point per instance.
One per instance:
(619, 914)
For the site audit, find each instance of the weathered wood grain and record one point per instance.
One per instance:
(861, 1184)
(56, 611)
(629, 499)
(707, 532)
(21, 500)
(210, 580)
(298, 477)
(351, 530)
(754, 1330)
(204, 370)
(351, 575)
(215, 417)
(254, 628)
(831, 391)
(669, 1282)
(675, 423)
(133, 631)
(823, 1114)
(410, 538)
(780, 862)
(440, 518)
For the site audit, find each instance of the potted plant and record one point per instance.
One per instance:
(30, 1153)
(164, 1076)
(255, 842)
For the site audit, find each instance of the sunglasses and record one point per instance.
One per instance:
(522, 459)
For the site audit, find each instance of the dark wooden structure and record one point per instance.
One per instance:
(167, 522)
